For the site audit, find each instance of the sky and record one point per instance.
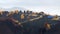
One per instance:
(47, 6)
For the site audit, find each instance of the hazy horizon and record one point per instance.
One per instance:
(48, 6)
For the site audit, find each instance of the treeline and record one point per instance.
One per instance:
(25, 15)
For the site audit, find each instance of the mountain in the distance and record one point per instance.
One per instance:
(14, 8)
